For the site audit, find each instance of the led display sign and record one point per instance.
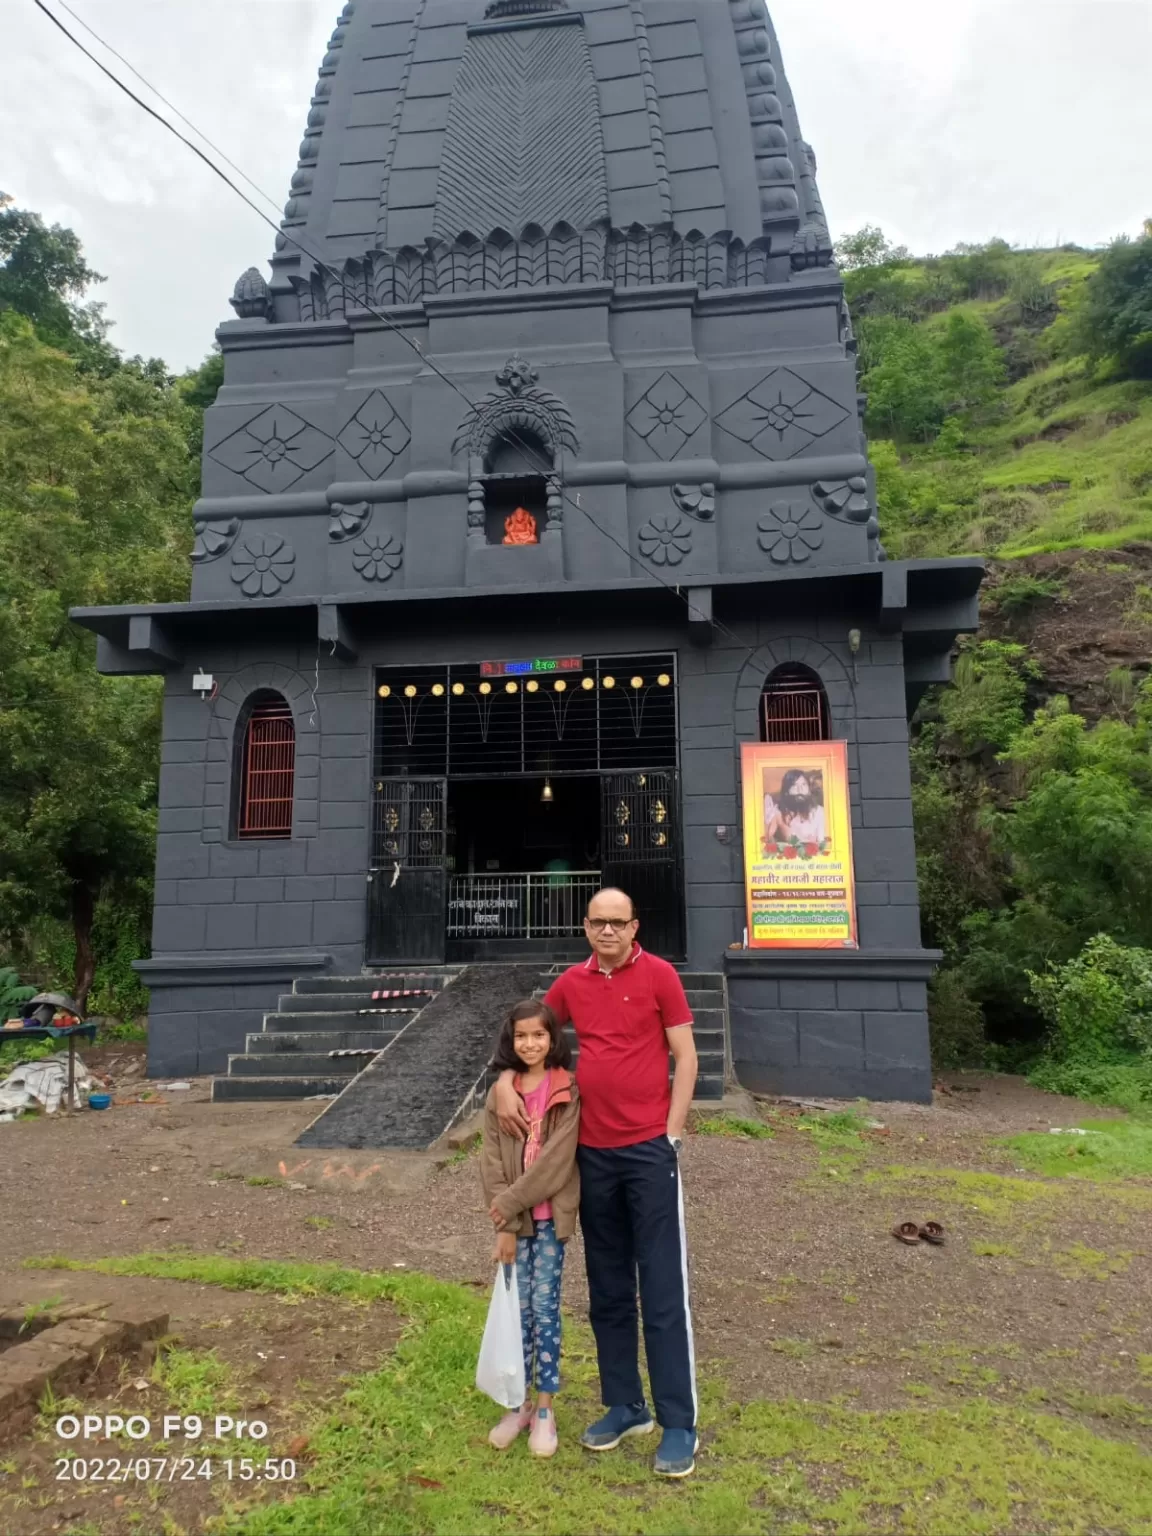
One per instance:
(524, 668)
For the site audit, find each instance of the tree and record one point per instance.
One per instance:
(868, 247)
(96, 480)
(971, 364)
(43, 276)
(1115, 318)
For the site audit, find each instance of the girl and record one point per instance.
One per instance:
(533, 1193)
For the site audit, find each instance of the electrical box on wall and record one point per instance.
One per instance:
(203, 683)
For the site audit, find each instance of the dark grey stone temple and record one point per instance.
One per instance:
(537, 485)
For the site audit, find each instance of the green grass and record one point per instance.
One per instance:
(839, 1128)
(1113, 1149)
(197, 1381)
(405, 1453)
(732, 1125)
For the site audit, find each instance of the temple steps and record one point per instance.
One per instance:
(291, 1057)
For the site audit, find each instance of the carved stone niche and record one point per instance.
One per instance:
(514, 439)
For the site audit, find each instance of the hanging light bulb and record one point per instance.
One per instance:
(410, 692)
(663, 679)
(437, 690)
(588, 682)
(609, 682)
(511, 687)
(560, 685)
(637, 682)
(384, 691)
(457, 689)
(485, 688)
(546, 795)
(532, 686)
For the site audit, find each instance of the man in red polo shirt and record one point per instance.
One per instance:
(629, 1010)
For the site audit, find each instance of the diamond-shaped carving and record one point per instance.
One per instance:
(274, 449)
(375, 437)
(666, 416)
(781, 415)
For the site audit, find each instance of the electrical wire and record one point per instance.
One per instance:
(171, 105)
(323, 266)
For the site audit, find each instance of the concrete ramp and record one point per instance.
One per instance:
(428, 1076)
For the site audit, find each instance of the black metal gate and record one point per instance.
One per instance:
(407, 898)
(641, 852)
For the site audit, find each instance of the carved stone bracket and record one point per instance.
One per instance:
(846, 498)
(348, 520)
(698, 501)
(213, 538)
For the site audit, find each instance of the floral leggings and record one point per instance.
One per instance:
(539, 1271)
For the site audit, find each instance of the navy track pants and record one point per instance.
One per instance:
(632, 1218)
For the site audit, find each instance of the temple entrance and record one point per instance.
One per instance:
(507, 793)
(523, 859)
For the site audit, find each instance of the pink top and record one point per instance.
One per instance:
(536, 1105)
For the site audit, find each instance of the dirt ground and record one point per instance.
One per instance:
(1041, 1294)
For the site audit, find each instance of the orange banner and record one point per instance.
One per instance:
(798, 845)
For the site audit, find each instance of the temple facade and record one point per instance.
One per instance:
(537, 485)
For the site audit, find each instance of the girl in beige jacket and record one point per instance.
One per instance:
(533, 1192)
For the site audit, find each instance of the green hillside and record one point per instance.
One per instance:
(999, 424)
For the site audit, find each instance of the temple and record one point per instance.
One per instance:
(537, 484)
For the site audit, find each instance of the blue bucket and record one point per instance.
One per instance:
(99, 1100)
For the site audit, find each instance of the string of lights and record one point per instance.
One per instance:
(527, 447)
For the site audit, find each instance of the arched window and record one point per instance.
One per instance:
(267, 769)
(793, 706)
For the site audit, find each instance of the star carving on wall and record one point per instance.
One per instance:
(666, 416)
(781, 415)
(375, 436)
(274, 449)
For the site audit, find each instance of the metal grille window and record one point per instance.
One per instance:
(793, 707)
(615, 713)
(267, 771)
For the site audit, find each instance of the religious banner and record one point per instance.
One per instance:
(798, 845)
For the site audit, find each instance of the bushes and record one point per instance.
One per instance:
(956, 1023)
(1099, 1003)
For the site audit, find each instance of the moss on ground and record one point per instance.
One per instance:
(405, 1453)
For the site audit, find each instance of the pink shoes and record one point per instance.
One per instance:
(510, 1427)
(542, 1438)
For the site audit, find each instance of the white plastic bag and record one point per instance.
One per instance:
(500, 1369)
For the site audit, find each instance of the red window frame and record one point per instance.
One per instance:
(793, 707)
(268, 772)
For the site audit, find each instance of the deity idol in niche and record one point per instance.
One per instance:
(520, 528)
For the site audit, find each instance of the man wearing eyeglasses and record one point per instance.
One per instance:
(629, 1010)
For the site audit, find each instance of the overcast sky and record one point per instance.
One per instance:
(940, 120)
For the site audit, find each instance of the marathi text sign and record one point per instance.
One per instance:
(798, 845)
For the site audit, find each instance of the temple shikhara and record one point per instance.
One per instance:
(536, 488)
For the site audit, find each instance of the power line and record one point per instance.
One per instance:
(172, 107)
(323, 266)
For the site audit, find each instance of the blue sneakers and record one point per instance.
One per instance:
(677, 1454)
(628, 1419)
